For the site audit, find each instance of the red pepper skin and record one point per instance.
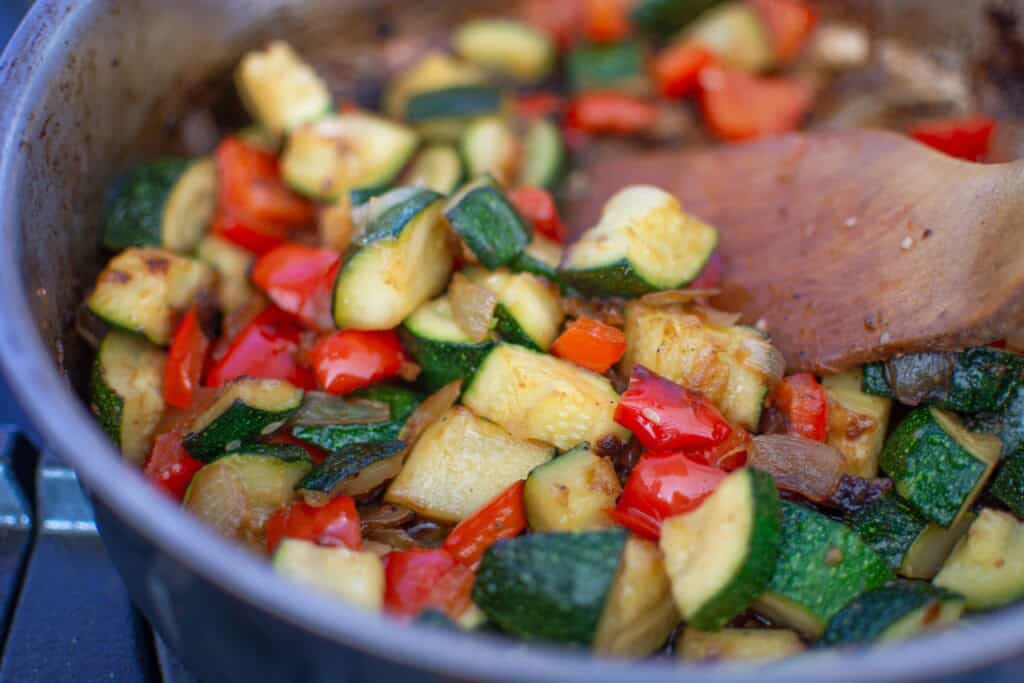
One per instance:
(677, 68)
(610, 113)
(590, 344)
(416, 580)
(663, 485)
(538, 104)
(538, 208)
(185, 360)
(740, 106)
(335, 524)
(802, 399)
(246, 234)
(729, 455)
(352, 359)
(790, 23)
(266, 348)
(170, 467)
(966, 138)
(667, 417)
(503, 517)
(605, 21)
(299, 280)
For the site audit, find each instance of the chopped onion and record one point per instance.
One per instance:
(429, 412)
(409, 371)
(672, 297)
(472, 307)
(320, 409)
(385, 515)
(217, 496)
(920, 377)
(802, 466)
(714, 316)
(765, 358)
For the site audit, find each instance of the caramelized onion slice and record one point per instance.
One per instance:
(472, 307)
(808, 468)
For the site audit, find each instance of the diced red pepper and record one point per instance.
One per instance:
(267, 347)
(590, 344)
(663, 485)
(712, 275)
(665, 416)
(299, 280)
(318, 455)
(503, 517)
(538, 104)
(729, 455)
(605, 21)
(334, 524)
(247, 234)
(964, 138)
(802, 400)
(677, 68)
(998, 344)
(185, 359)
(740, 106)
(610, 113)
(790, 23)
(560, 19)
(538, 207)
(417, 580)
(170, 467)
(352, 359)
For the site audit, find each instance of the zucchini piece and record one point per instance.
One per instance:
(144, 290)
(643, 243)
(435, 71)
(529, 310)
(895, 612)
(540, 257)
(537, 396)
(258, 136)
(401, 400)
(287, 452)
(725, 364)
(232, 264)
(439, 346)
(339, 437)
(738, 645)
(488, 223)
(573, 492)
(437, 168)
(608, 66)
(823, 565)
(857, 423)
(459, 103)
(720, 557)
(247, 408)
(237, 493)
(280, 90)
(166, 204)
(909, 544)
(402, 261)
(511, 48)
(544, 157)
(346, 463)
(665, 17)
(357, 577)
(875, 382)
(639, 614)
(937, 465)
(126, 389)
(489, 147)
(736, 35)
(552, 586)
(1008, 486)
(459, 464)
(1007, 424)
(987, 565)
(328, 158)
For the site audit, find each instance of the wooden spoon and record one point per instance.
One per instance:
(853, 245)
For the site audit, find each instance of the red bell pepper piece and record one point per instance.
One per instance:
(677, 68)
(185, 359)
(590, 344)
(663, 485)
(334, 524)
(267, 347)
(416, 580)
(560, 20)
(170, 467)
(538, 208)
(802, 400)
(667, 417)
(537, 104)
(317, 455)
(729, 455)
(503, 517)
(299, 280)
(964, 138)
(611, 113)
(712, 275)
(790, 23)
(741, 106)
(352, 359)
(247, 234)
(605, 21)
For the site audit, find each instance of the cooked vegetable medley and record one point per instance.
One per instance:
(361, 343)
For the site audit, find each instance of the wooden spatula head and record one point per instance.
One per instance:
(852, 246)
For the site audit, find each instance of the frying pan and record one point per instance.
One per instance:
(88, 88)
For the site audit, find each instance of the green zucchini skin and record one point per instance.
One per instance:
(527, 263)
(106, 404)
(288, 452)
(392, 222)
(890, 526)
(335, 438)
(823, 565)
(346, 462)
(239, 422)
(1008, 486)
(875, 382)
(442, 362)
(401, 400)
(489, 224)
(665, 17)
(1008, 424)
(929, 469)
(508, 328)
(612, 280)
(462, 101)
(136, 205)
(361, 195)
(868, 617)
(614, 66)
(550, 586)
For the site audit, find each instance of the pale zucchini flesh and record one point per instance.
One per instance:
(280, 90)
(357, 577)
(987, 564)
(573, 492)
(438, 168)
(189, 207)
(736, 35)
(435, 71)
(857, 422)
(232, 264)
(530, 309)
(505, 46)
(490, 147)
(750, 645)
(924, 558)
